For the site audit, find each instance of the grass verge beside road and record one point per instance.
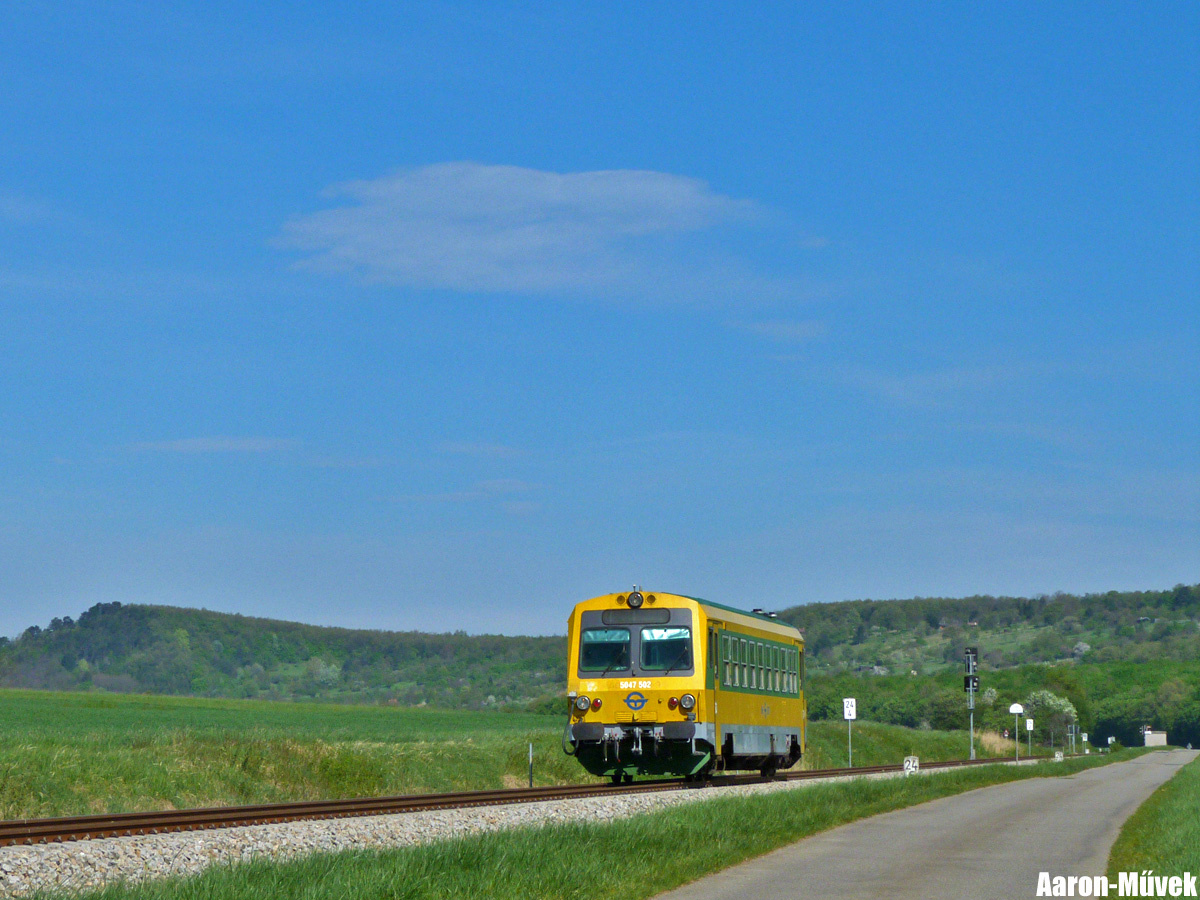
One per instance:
(628, 858)
(1164, 833)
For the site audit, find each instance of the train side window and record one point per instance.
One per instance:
(725, 657)
(753, 664)
(758, 653)
(778, 667)
(801, 675)
(745, 666)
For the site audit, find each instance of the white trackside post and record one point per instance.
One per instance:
(850, 713)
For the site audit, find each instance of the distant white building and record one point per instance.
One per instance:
(1155, 738)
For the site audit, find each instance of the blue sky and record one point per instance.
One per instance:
(446, 316)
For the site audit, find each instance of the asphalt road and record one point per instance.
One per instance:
(987, 844)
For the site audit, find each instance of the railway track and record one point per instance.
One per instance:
(75, 828)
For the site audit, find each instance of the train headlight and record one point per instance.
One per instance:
(687, 702)
(582, 703)
(634, 600)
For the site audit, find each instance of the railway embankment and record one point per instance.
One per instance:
(84, 866)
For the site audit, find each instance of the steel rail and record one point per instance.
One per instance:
(74, 828)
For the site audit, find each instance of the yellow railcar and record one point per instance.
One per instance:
(661, 684)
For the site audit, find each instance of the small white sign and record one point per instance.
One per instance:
(848, 709)
(1084, 736)
(1110, 740)
(1029, 724)
(911, 765)
(1058, 757)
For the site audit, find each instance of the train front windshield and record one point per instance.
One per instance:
(666, 649)
(604, 650)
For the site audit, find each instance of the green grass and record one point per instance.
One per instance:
(628, 859)
(1164, 833)
(876, 744)
(74, 753)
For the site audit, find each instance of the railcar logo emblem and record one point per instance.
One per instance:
(635, 701)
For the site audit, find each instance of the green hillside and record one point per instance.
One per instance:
(928, 635)
(168, 650)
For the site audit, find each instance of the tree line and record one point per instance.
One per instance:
(160, 649)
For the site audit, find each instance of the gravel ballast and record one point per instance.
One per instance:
(89, 864)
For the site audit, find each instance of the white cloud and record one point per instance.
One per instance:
(18, 210)
(472, 448)
(493, 489)
(472, 227)
(945, 386)
(215, 445)
(785, 330)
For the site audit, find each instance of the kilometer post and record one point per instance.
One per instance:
(850, 712)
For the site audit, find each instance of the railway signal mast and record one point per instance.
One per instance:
(971, 685)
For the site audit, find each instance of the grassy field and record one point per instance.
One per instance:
(1164, 833)
(876, 744)
(630, 858)
(77, 753)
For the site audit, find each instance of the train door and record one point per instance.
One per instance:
(712, 682)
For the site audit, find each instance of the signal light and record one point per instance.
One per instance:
(596, 703)
(673, 702)
(582, 704)
(687, 702)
